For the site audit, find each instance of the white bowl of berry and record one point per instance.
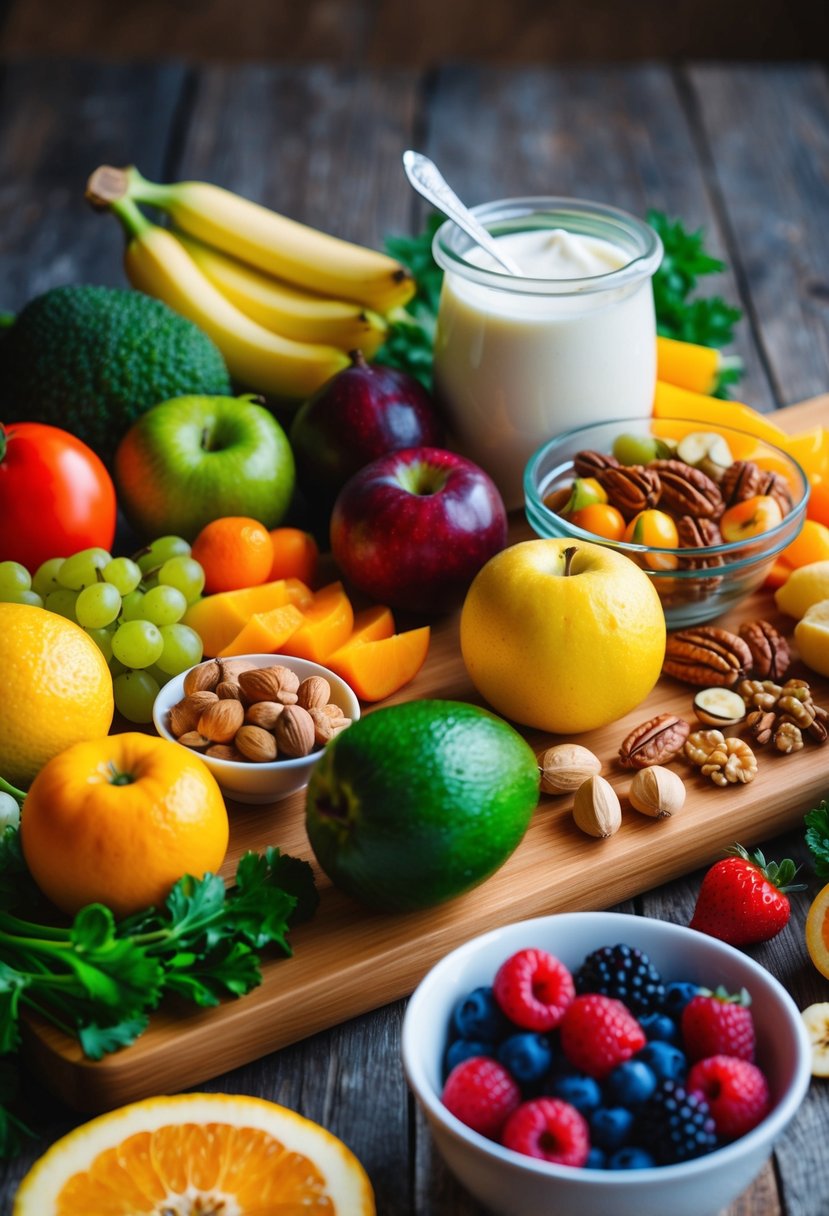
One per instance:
(598, 1064)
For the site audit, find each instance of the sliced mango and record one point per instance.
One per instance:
(370, 625)
(217, 619)
(377, 669)
(811, 545)
(811, 450)
(673, 402)
(265, 632)
(326, 625)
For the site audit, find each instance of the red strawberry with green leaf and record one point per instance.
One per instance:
(743, 898)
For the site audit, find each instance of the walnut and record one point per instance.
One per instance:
(788, 737)
(759, 694)
(725, 761)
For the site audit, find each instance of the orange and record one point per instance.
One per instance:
(234, 552)
(197, 1153)
(295, 555)
(119, 820)
(817, 931)
(57, 689)
(817, 509)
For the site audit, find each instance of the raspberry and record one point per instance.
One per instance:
(550, 1129)
(676, 1125)
(481, 1093)
(716, 1024)
(625, 973)
(598, 1032)
(735, 1090)
(533, 989)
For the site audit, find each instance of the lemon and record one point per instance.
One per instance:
(57, 689)
(805, 586)
(197, 1153)
(811, 636)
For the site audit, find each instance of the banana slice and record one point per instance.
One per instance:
(719, 707)
(816, 1021)
(707, 451)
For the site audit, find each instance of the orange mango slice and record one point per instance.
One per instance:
(327, 624)
(810, 449)
(673, 402)
(377, 669)
(265, 632)
(370, 625)
(217, 619)
(812, 545)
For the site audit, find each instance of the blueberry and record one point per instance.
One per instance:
(477, 1016)
(665, 1060)
(464, 1049)
(660, 1026)
(630, 1083)
(580, 1091)
(596, 1159)
(677, 996)
(526, 1055)
(610, 1127)
(631, 1157)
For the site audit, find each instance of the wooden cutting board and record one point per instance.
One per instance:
(348, 961)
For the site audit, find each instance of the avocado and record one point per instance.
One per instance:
(91, 359)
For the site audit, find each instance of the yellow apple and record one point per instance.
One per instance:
(561, 635)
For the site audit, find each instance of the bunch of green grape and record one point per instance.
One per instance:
(131, 607)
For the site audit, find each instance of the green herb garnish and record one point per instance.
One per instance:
(817, 838)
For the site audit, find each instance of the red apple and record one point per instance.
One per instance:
(413, 528)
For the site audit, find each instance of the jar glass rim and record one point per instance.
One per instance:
(503, 216)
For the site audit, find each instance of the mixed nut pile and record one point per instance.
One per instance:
(234, 710)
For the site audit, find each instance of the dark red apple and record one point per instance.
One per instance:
(359, 414)
(413, 528)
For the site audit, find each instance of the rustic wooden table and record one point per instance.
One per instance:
(741, 151)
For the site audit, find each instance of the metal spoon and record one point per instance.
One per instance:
(428, 180)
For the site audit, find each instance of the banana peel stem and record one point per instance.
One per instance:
(134, 223)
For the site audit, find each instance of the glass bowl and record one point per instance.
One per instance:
(694, 584)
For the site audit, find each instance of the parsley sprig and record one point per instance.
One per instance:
(817, 838)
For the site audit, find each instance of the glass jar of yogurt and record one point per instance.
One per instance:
(570, 341)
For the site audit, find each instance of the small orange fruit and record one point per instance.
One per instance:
(657, 530)
(197, 1153)
(817, 931)
(119, 820)
(751, 517)
(600, 519)
(295, 555)
(234, 552)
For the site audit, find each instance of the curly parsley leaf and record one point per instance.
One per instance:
(817, 838)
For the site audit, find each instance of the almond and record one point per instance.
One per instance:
(294, 730)
(228, 690)
(192, 738)
(326, 726)
(313, 692)
(185, 714)
(201, 678)
(255, 744)
(275, 683)
(264, 714)
(231, 669)
(221, 720)
(224, 751)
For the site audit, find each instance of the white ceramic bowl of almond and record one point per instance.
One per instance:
(259, 722)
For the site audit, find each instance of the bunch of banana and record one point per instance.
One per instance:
(284, 303)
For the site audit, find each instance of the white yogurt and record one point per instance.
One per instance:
(571, 341)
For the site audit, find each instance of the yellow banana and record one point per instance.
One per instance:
(287, 310)
(265, 240)
(158, 264)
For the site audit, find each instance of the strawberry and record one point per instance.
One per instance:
(742, 898)
(736, 1091)
(550, 1129)
(482, 1094)
(716, 1024)
(533, 989)
(598, 1032)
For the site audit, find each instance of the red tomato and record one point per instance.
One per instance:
(56, 497)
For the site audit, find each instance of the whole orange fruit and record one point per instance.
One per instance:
(57, 689)
(119, 820)
(234, 552)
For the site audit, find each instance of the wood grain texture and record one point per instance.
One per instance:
(348, 960)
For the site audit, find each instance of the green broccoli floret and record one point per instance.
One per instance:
(92, 359)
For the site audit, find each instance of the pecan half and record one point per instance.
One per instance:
(818, 732)
(776, 487)
(590, 463)
(769, 649)
(686, 490)
(654, 742)
(631, 488)
(741, 480)
(699, 534)
(706, 655)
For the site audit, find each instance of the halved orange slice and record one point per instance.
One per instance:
(817, 931)
(197, 1153)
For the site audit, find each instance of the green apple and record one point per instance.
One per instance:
(190, 460)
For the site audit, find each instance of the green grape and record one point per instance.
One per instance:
(21, 596)
(46, 576)
(81, 569)
(135, 693)
(185, 574)
(138, 643)
(154, 555)
(161, 677)
(116, 668)
(635, 449)
(164, 605)
(182, 648)
(62, 601)
(103, 640)
(132, 606)
(14, 577)
(97, 606)
(123, 573)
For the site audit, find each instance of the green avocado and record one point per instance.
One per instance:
(419, 802)
(91, 359)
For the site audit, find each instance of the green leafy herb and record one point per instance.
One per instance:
(708, 320)
(98, 979)
(817, 838)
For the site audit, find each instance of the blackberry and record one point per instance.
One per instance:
(624, 973)
(675, 1125)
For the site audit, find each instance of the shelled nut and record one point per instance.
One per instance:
(596, 807)
(657, 791)
(565, 766)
